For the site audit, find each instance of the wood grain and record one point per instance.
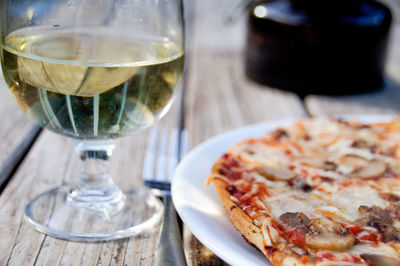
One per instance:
(384, 101)
(17, 134)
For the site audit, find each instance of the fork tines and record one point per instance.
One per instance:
(161, 157)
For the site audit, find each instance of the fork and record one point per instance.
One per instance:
(159, 164)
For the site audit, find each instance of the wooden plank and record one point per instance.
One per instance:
(384, 101)
(218, 96)
(17, 134)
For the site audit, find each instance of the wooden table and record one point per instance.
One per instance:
(216, 97)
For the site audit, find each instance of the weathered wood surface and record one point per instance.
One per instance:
(17, 134)
(384, 101)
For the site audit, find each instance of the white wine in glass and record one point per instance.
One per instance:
(102, 75)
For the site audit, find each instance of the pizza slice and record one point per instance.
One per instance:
(319, 192)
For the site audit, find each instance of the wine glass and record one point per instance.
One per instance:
(93, 70)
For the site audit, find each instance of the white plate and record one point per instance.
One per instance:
(199, 206)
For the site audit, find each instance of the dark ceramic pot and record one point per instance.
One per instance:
(314, 46)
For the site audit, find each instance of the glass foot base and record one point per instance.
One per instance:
(54, 214)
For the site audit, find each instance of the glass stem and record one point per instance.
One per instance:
(95, 189)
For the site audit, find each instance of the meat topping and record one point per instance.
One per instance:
(294, 220)
(388, 232)
(380, 219)
(390, 197)
(373, 213)
(362, 168)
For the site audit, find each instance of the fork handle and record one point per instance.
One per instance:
(169, 250)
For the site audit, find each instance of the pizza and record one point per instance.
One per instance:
(318, 192)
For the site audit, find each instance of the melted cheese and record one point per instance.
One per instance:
(259, 153)
(266, 235)
(344, 203)
(340, 146)
(351, 198)
(335, 263)
(260, 179)
(293, 201)
(347, 200)
(316, 171)
(380, 248)
(318, 127)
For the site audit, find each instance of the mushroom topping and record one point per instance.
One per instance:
(353, 161)
(379, 260)
(363, 168)
(374, 168)
(327, 234)
(318, 163)
(317, 233)
(276, 173)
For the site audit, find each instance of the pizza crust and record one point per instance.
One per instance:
(239, 218)
(250, 232)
